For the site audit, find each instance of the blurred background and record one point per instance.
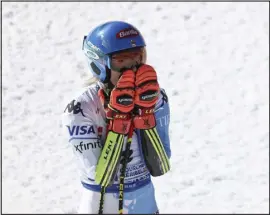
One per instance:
(211, 58)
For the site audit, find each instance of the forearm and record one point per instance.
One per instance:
(162, 115)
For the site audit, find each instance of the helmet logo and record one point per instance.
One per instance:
(127, 32)
(92, 51)
(133, 43)
(93, 46)
(92, 54)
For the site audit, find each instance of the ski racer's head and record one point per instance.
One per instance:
(112, 47)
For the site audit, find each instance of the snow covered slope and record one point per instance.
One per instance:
(213, 60)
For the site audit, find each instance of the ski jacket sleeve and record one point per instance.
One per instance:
(83, 134)
(162, 114)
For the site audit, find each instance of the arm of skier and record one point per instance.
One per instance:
(82, 134)
(153, 104)
(146, 98)
(162, 115)
(118, 105)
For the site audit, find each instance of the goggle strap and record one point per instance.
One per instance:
(84, 38)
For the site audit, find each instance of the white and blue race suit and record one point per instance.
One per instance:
(84, 125)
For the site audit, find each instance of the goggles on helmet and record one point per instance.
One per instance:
(127, 59)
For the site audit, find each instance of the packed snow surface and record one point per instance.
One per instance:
(211, 58)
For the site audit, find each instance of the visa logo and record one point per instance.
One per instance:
(80, 130)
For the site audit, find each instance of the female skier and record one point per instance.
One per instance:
(118, 127)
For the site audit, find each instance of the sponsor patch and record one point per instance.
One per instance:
(136, 172)
(124, 99)
(149, 95)
(83, 146)
(127, 32)
(74, 108)
(77, 130)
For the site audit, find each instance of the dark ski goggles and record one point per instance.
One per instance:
(127, 59)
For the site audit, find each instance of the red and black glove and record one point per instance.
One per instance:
(146, 96)
(120, 103)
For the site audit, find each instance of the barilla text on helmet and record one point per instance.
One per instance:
(128, 32)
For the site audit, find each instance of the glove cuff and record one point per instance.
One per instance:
(144, 122)
(120, 125)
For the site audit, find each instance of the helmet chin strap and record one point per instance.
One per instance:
(108, 76)
(107, 82)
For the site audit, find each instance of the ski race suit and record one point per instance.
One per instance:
(84, 124)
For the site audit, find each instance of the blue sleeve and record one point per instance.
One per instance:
(162, 114)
